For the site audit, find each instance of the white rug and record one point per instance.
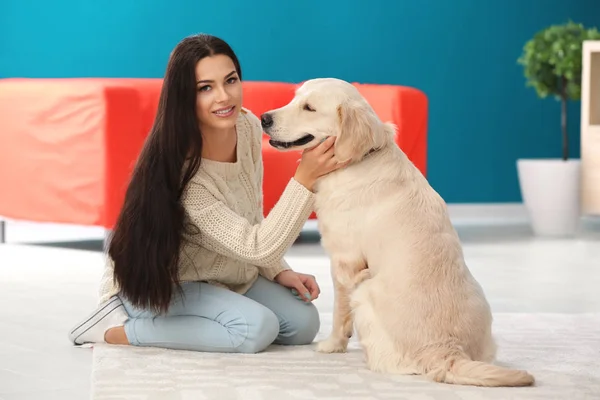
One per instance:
(562, 351)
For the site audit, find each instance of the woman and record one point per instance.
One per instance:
(192, 264)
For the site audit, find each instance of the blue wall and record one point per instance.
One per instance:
(462, 53)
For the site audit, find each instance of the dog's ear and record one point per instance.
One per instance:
(358, 131)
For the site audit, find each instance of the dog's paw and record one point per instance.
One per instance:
(332, 345)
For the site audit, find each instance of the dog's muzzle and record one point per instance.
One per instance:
(286, 145)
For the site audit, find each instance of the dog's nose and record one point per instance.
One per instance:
(266, 120)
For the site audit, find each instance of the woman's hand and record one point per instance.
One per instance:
(305, 286)
(316, 162)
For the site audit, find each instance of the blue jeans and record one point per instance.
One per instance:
(213, 319)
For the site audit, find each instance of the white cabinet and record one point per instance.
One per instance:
(590, 128)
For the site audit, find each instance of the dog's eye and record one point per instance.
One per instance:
(307, 107)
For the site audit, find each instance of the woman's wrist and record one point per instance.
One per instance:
(304, 181)
(282, 272)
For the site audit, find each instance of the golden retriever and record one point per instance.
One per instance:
(397, 264)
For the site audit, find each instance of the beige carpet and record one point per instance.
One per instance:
(561, 350)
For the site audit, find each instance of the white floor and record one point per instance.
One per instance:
(45, 289)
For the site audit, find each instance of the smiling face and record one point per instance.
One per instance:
(219, 93)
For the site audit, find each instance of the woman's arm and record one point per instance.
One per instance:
(262, 244)
(271, 273)
(268, 272)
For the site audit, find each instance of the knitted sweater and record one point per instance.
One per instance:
(234, 243)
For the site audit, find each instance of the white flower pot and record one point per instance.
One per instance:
(551, 193)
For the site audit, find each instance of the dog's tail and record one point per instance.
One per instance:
(461, 370)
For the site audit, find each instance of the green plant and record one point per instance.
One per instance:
(552, 66)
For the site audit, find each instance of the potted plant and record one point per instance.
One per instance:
(551, 63)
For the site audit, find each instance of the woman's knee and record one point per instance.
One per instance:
(262, 330)
(303, 326)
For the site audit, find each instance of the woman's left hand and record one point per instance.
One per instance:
(304, 285)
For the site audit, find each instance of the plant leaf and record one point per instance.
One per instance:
(553, 53)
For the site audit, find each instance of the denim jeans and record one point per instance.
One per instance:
(213, 319)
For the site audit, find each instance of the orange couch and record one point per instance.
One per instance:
(67, 146)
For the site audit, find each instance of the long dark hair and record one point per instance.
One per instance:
(146, 239)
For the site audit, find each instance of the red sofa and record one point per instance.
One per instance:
(67, 146)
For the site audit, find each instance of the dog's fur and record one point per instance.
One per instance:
(397, 264)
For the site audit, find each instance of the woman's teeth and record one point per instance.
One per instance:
(224, 112)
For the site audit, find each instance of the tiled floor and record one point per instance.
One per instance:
(45, 289)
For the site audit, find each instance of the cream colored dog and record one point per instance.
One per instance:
(396, 261)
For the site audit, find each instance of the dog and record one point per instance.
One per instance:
(397, 265)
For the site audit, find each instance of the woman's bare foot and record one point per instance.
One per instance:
(116, 335)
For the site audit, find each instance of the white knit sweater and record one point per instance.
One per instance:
(225, 202)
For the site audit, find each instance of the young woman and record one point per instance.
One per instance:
(191, 262)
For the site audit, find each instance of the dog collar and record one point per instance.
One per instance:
(373, 150)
